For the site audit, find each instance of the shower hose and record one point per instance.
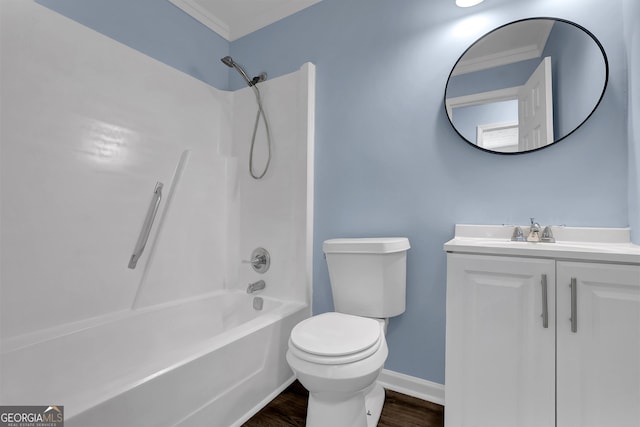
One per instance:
(259, 113)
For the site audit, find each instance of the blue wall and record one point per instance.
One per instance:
(387, 161)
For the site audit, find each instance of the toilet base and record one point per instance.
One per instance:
(361, 409)
(373, 401)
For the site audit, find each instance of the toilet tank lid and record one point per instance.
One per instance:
(366, 245)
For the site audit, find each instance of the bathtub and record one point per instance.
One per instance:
(211, 361)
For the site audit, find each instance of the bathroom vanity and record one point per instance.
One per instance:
(542, 334)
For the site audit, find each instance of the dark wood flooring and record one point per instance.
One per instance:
(289, 409)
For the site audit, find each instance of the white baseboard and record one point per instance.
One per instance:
(412, 386)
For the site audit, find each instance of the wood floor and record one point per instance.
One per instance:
(289, 409)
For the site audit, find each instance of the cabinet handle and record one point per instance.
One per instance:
(545, 302)
(574, 304)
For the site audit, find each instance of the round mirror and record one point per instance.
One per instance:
(526, 85)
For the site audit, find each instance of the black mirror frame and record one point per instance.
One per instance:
(595, 107)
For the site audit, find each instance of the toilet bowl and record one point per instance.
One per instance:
(338, 357)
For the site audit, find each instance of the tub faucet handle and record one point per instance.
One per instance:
(260, 260)
(257, 260)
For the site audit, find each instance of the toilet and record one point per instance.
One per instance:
(338, 356)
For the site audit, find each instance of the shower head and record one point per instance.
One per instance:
(229, 62)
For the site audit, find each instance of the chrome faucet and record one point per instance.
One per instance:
(257, 286)
(534, 235)
(534, 232)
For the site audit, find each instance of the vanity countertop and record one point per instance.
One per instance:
(572, 243)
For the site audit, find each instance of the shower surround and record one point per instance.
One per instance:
(88, 128)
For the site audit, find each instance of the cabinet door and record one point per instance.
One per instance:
(599, 364)
(500, 358)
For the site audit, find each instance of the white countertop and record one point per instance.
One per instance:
(572, 243)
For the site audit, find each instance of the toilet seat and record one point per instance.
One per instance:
(335, 338)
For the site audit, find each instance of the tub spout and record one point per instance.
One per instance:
(257, 286)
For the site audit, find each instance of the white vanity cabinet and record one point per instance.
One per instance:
(598, 365)
(499, 356)
(541, 336)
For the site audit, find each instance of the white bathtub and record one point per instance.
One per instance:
(212, 361)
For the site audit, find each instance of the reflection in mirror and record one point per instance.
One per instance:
(526, 85)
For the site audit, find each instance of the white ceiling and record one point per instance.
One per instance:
(233, 19)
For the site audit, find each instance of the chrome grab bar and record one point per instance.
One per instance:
(146, 227)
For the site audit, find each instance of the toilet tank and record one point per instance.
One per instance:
(368, 275)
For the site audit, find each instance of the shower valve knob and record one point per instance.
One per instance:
(260, 260)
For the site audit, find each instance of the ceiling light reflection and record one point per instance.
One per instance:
(107, 143)
(467, 3)
(474, 25)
